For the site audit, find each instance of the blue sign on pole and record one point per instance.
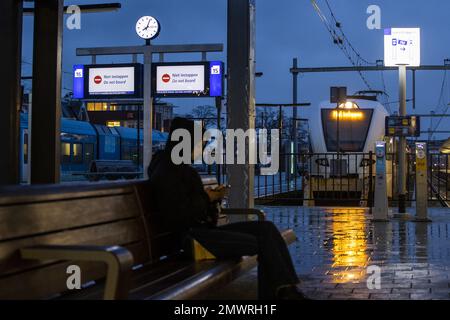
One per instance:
(78, 81)
(216, 78)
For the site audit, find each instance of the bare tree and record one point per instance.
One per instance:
(267, 118)
(206, 113)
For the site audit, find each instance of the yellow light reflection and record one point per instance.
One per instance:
(349, 245)
(347, 115)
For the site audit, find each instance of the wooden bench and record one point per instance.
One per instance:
(112, 233)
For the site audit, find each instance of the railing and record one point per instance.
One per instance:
(347, 179)
(324, 178)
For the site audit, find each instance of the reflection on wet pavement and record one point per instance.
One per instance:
(335, 247)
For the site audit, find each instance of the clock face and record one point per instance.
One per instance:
(147, 28)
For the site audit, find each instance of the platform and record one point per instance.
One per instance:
(336, 246)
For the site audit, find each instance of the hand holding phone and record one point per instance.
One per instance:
(218, 193)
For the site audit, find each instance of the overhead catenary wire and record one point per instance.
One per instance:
(342, 40)
(439, 104)
(339, 26)
(385, 95)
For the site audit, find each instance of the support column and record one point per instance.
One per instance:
(402, 144)
(294, 102)
(10, 90)
(241, 93)
(46, 115)
(148, 109)
(219, 127)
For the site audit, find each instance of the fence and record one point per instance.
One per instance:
(345, 179)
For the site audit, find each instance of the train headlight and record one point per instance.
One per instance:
(348, 105)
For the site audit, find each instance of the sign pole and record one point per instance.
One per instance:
(402, 143)
(148, 108)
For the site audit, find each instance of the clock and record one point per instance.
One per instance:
(147, 27)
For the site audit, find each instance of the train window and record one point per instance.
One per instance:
(88, 152)
(65, 152)
(353, 129)
(77, 152)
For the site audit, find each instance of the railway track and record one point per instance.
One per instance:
(438, 186)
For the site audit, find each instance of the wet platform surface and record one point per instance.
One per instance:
(338, 249)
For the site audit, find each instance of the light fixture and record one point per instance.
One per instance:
(348, 105)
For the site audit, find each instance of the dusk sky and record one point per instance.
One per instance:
(285, 29)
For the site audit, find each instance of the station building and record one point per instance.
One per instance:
(125, 114)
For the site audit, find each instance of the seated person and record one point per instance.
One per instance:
(184, 203)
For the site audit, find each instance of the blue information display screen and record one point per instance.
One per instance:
(188, 79)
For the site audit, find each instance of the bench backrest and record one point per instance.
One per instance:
(76, 215)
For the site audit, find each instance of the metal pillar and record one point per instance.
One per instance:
(241, 93)
(294, 102)
(10, 89)
(46, 116)
(294, 112)
(414, 88)
(402, 144)
(148, 109)
(338, 136)
(219, 127)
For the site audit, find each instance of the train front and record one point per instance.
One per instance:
(341, 138)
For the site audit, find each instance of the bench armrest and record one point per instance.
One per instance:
(119, 263)
(245, 212)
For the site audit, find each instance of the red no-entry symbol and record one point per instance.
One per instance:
(166, 78)
(98, 79)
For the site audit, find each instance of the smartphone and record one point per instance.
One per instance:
(220, 187)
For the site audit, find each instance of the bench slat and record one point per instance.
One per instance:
(118, 233)
(37, 218)
(33, 194)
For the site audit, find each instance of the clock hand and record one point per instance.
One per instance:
(148, 25)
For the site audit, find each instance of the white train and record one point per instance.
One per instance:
(352, 128)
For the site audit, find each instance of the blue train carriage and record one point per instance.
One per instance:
(83, 144)
(79, 147)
